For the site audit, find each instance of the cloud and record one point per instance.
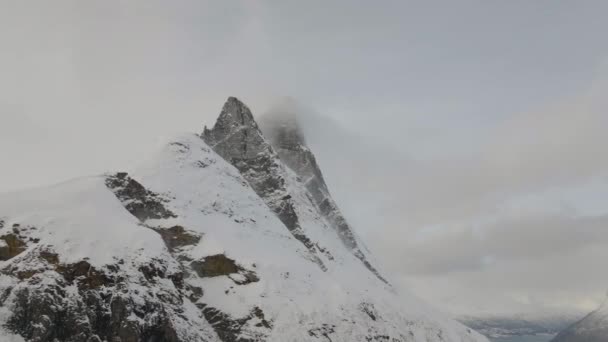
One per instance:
(508, 240)
(559, 145)
(468, 151)
(522, 216)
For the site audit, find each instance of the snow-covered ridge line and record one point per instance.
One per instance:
(265, 163)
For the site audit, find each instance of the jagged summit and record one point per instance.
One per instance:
(238, 139)
(236, 130)
(235, 111)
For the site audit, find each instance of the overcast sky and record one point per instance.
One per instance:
(466, 140)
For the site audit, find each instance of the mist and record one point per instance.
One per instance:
(465, 142)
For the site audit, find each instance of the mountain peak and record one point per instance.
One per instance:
(235, 106)
(215, 242)
(234, 116)
(237, 138)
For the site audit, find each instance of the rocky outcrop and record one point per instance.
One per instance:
(76, 302)
(177, 237)
(237, 138)
(220, 265)
(11, 245)
(145, 205)
(140, 202)
(231, 330)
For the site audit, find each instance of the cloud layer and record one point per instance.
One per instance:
(466, 141)
(521, 218)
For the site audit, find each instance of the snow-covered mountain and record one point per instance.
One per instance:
(592, 328)
(223, 236)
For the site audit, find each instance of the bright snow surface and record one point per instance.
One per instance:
(83, 219)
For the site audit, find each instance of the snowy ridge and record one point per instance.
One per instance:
(186, 249)
(79, 246)
(592, 328)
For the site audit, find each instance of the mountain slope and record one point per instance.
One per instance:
(286, 137)
(214, 238)
(592, 328)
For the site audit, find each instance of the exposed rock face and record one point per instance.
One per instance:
(229, 329)
(177, 237)
(11, 245)
(215, 265)
(76, 302)
(140, 202)
(286, 137)
(220, 265)
(592, 328)
(237, 138)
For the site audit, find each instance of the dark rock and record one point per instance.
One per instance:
(370, 310)
(220, 265)
(42, 315)
(195, 293)
(177, 237)
(237, 138)
(257, 312)
(98, 312)
(13, 246)
(230, 329)
(139, 201)
(215, 266)
(84, 275)
(49, 257)
(324, 331)
(249, 277)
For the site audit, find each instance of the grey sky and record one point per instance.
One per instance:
(476, 128)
